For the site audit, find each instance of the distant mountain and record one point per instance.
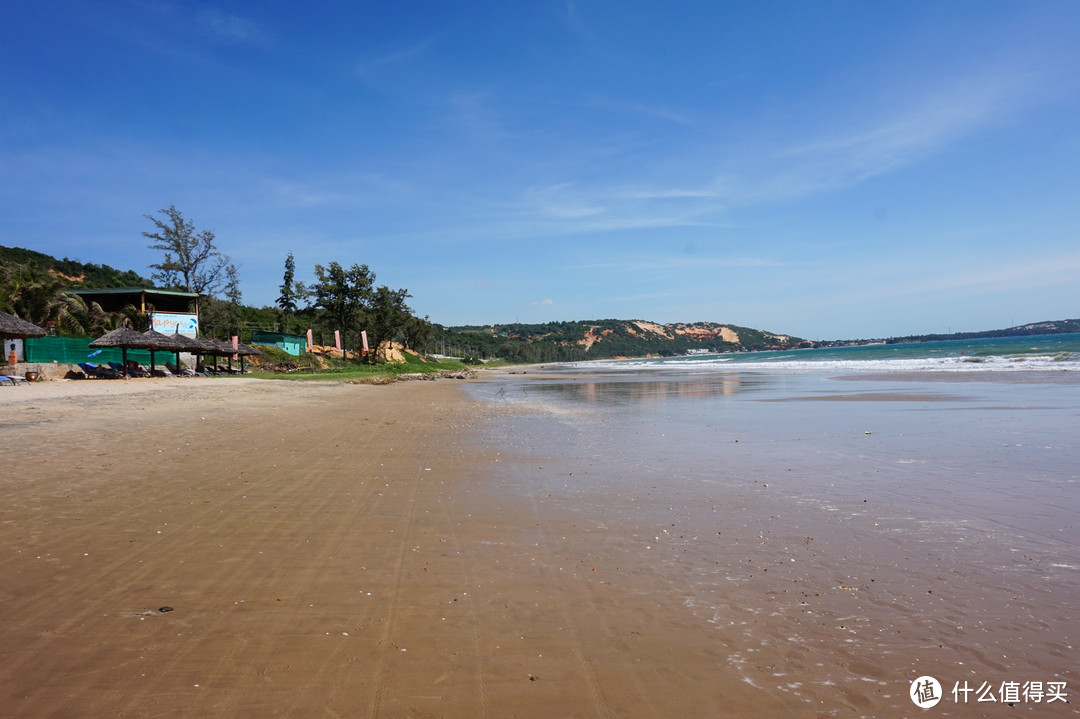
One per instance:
(605, 339)
(72, 273)
(1049, 327)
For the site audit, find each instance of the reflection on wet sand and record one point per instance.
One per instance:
(833, 548)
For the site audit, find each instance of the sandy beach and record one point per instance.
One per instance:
(326, 550)
(235, 547)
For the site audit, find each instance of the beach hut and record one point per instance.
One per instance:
(125, 338)
(11, 327)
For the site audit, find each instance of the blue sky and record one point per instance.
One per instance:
(824, 169)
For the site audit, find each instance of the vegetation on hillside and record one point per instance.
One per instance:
(1035, 328)
(601, 339)
(72, 274)
(38, 288)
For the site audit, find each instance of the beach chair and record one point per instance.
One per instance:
(179, 371)
(133, 369)
(5, 378)
(98, 371)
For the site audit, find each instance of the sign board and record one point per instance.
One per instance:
(168, 323)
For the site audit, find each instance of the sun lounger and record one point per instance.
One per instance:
(14, 379)
(179, 371)
(99, 371)
(134, 370)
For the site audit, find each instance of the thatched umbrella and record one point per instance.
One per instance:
(11, 327)
(124, 338)
(224, 349)
(192, 345)
(245, 351)
(164, 343)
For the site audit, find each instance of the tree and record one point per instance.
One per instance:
(418, 333)
(343, 295)
(389, 315)
(232, 284)
(192, 261)
(41, 298)
(287, 299)
(290, 293)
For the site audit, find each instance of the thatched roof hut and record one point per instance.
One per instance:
(245, 351)
(125, 338)
(15, 328)
(163, 342)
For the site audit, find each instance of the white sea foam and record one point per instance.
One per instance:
(787, 364)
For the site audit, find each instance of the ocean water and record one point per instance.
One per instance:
(1052, 353)
(839, 519)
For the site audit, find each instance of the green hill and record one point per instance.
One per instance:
(1048, 327)
(603, 339)
(72, 273)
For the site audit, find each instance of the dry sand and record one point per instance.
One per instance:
(326, 550)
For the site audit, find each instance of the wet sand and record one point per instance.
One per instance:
(406, 550)
(836, 538)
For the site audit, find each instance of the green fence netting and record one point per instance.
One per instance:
(73, 350)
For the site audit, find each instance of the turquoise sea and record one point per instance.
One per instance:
(1059, 352)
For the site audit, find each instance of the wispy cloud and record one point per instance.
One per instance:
(546, 302)
(232, 28)
(573, 18)
(659, 112)
(368, 68)
(561, 201)
(688, 261)
(671, 194)
(475, 114)
(350, 189)
(896, 140)
(789, 168)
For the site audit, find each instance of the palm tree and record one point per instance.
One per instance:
(44, 299)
